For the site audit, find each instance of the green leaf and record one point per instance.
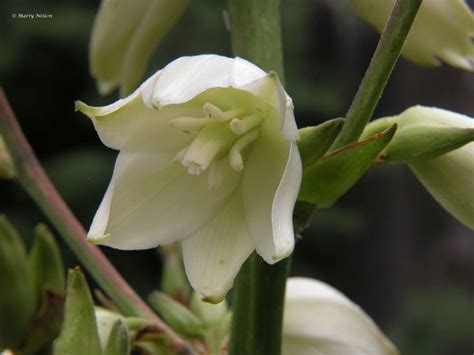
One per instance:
(118, 343)
(329, 178)
(176, 315)
(17, 295)
(79, 334)
(316, 140)
(46, 265)
(46, 325)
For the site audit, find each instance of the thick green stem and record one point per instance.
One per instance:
(34, 180)
(259, 289)
(379, 70)
(257, 307)
(256, 33)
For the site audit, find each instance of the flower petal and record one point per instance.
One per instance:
(450, 180)
(318, 319)
(186, 77)
(270, 90)
(442, 30)
(213, 256)
(152, 201)
(128, 124)
(271, 182)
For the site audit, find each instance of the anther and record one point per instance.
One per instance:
(241, 126)
(188, 124)
(235, 152)
(214, 112)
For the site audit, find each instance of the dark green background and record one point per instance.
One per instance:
(386, 244)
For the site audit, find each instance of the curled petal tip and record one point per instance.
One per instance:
(98, 240)
(215, 299)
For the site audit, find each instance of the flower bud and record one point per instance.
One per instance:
(442, 30)
(438, 147)
(176, 315)
(450, 180)
(318, 319)
(212, 315)
(424, 133)
(124, 36)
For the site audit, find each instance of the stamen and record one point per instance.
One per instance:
(241, 126)
(193, 167)
(235, 155)
(214, 112)
(211, 141)
(188, 124)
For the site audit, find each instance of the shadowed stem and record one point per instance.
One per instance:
(34, 180)
(259, 290)
(381, 65)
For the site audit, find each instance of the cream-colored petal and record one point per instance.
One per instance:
(270, 90)
(320, 320)
(186, 77)
(128, 124)
(153, 201)
(271, 181)
(450, 180)
(110, 41)
(214, 254)
(442, 30)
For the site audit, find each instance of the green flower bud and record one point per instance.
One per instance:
(437, 146)
(79, 333)
(211, 315)
(17, 296)
(176, 315)
(424, 133)
(124, 36)
(442, 30)
(450, 180)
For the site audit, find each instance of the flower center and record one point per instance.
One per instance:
(220, 134)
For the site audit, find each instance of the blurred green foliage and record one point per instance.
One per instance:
(382, 238)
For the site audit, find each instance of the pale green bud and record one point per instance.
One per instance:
(210, 314)
(424, 133)
(113, 332)
(176, 315)
(437, 146)
(318, 319)
(442, 30)
(450, 180)
(124, 36)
